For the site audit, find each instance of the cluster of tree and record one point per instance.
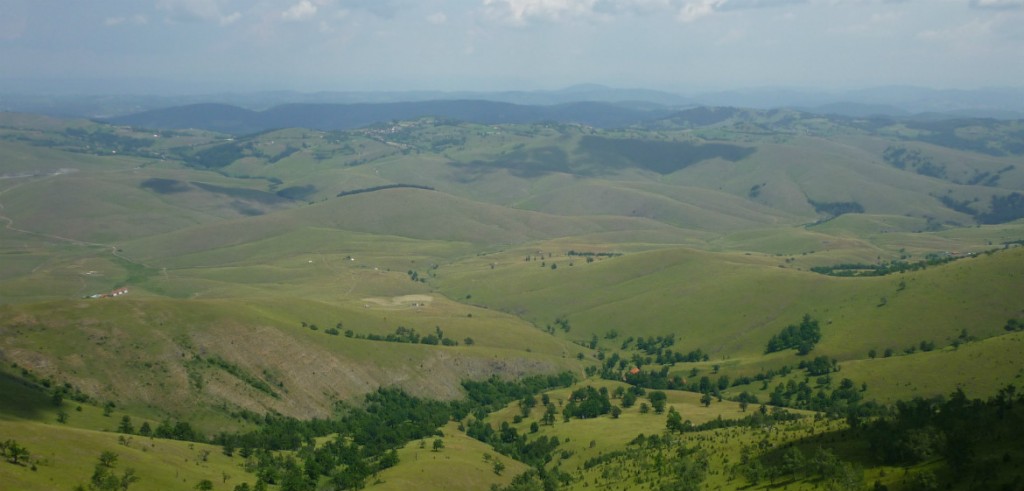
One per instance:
(763, 376)
(651, 345)
(487, 396)
(14, 452)
(104, 142)
(758, 419)
(612, 367)
(820, 365)
(884, 268)
(416, 276)
(508, 441)
(1003, 209)
(561, 322)
(986, 178)
(494, 393)
(216, 156)
(802, 395)
(821, 464)
(296, 193)
(275, 432)
(178, 430)
(997, 140)
(241, 374)
(803, 337)
(663, 157)
(105, 478)
(834, 209)
(951, 429)
(587, 402)
(592, 254)
(1013, 325)
(902, 158)
(404, 334)
(383, 187)
(368, 437)
(924, 428)
(535, 480)
(658, 462)
(283, 154)
(962, 206)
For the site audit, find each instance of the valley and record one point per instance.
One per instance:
(540, 297)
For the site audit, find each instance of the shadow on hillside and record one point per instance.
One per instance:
(22, 399)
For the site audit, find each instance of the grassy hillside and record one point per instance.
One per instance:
(289, 274)
(198, 357)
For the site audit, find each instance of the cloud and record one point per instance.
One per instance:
(997, 4)
(137, 19)
(381, 8)
(520, 12)
(437, 18)
(959, 35)
(300, 11)
(198, 11)
(693, 10)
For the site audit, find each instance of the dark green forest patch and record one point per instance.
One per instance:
(836, 208)
(663, 157)
(523, 162)
(160, 185)
(297, 192)
(242, 193)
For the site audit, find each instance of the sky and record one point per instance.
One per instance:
(367, 45)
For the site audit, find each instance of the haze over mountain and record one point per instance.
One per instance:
(1006, 103)
(325, 245)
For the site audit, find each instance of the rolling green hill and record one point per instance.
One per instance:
(294, 273)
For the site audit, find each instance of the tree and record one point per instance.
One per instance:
(793, 461)
(498, 467)
(438, 444)
(705, 399)
(128, 478)
(108, 459)
(644, 409)
(549, 414)
(616, 412)
(205, 485)
(145, 429)
(803, 337)
(674, 422)
(126, 426)
(14, 452)
(658, 399)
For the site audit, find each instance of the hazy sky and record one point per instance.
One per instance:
(676, 45)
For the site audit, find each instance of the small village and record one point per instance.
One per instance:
(117, 292)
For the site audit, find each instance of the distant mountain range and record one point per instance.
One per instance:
(235, 120)
(895, 101)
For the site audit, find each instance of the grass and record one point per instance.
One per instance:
(64, 457)
(460, 465)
